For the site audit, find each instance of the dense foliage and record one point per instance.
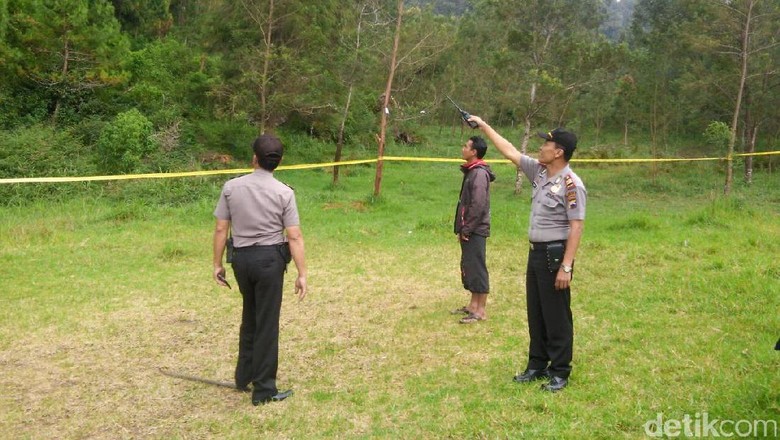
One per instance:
(189, 80)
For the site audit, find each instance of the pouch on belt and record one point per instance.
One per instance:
(555, 253)
(284, 250)
(229, 250)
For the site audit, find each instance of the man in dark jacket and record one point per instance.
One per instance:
(472, 225)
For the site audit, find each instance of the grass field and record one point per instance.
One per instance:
(675, 299)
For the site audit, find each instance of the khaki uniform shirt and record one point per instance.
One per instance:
(556, 200)
(259, 208)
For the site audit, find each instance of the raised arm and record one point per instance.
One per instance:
(504, 146)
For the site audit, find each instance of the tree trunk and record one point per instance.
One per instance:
(748, 130)
(566, 104)
(65, 67)
(266, 67)
(340, 142)
(385, 107)
(654, 132)
(742, 78)
(750, 148)
(597, 123)
(625, 133)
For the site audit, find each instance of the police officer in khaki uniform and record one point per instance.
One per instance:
(266, 235)
(554, 232)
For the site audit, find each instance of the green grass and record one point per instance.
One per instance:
(675, 301)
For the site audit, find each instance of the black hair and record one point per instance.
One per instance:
(479, 144)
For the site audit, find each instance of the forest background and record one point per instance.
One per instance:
(127, 86)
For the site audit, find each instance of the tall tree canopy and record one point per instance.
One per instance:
(665, 68)
(58, 53)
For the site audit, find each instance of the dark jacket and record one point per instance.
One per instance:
(473, 212)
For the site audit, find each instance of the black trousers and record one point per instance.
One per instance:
(259, 272)
(550, 324)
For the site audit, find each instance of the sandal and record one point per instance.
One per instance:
(461, 311)
(472, 318)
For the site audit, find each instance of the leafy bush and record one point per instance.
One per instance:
(301, 148)
(125, 142)
(718, 134)
(232, 137)
(169, 80)
(41, 151)
(88, 130)
(21, 107)
(602, 151)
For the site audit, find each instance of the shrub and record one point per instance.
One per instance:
(232, 137)
(125, 142)
(41, 151)
(717, 134)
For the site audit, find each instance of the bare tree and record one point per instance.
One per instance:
(743, 55)
(266, 26)
(367, 9)
(386, 103)
(345, 114)
(422, 47)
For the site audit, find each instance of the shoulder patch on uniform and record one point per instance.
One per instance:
(569, 182)
(571, 198)
(571, 191)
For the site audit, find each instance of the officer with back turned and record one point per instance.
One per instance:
(266, 235)
(554, 232)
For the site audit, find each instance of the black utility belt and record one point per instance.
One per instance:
(543, 245)
(259, 247)
(283, 249)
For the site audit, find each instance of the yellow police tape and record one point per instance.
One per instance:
(343, 163)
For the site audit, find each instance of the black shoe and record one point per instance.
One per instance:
(531, 375)
(278, 397)
(555, 384)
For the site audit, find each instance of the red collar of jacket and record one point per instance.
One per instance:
(472, 165)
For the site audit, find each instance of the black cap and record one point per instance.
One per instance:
(267, 147)
(565, 139)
